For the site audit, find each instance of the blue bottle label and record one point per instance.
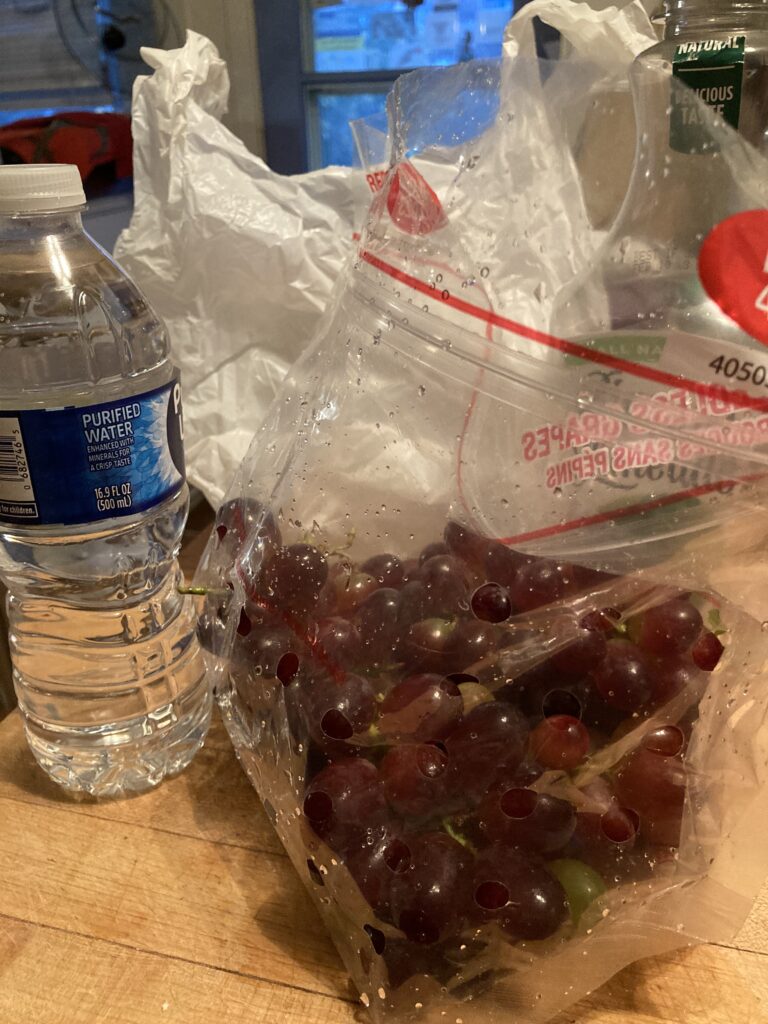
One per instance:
(81, 464)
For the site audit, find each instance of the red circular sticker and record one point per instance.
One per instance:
(733, 268)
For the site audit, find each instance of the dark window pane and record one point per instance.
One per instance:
(372, 35)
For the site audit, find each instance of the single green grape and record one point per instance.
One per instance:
(581, 883)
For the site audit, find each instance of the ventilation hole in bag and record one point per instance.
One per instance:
(336, 726)
(620, 825)
(519, 803)
(561, 702)
(314, 873)
(377, 937)
(491, 895)
(462, 677)
(397, 856)
(287, 668)
(318, 807)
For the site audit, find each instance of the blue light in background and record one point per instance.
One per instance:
(335, 110)
(354, 35)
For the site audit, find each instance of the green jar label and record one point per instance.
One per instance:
(713, 69)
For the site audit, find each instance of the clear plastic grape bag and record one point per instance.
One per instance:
(482, 601)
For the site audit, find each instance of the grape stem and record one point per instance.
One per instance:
(340, 551)
(454, 833)
(202, 591)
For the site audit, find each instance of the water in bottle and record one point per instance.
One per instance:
(108, 672)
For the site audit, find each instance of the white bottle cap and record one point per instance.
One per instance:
(27, 188)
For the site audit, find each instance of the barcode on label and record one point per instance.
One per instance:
(17, 495)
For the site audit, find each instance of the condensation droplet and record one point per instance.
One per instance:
(381, 993)
(423, 391)
(365, 1000)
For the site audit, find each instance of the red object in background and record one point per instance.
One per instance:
(89, 140)
(733, 267)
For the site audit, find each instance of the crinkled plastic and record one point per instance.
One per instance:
(507, 714)
(602, 125)
(238, 260)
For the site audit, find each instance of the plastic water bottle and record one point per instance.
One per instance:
(719, 50)
(108, 672)
(679, 333)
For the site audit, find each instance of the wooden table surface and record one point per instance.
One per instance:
(179, 907)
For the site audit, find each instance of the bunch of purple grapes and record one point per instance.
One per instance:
(432, 772)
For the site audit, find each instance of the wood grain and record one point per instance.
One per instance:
(180, 906)
(706, 985)
(212, 800)
(218, 905)
(43, 972)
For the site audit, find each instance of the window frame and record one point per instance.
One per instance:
(283, 34)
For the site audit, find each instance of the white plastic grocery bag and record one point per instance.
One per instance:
(238, 260)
